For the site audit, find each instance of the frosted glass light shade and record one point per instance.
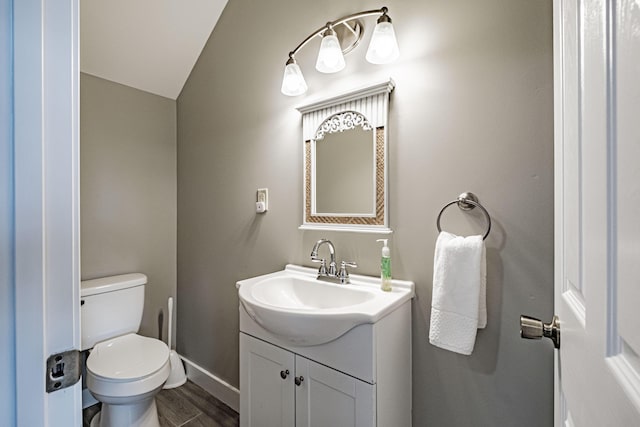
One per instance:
(293, 83)
(330, 57)
(384, 46)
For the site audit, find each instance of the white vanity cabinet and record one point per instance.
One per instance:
(361, 379)
(266, 384)
(280, 388)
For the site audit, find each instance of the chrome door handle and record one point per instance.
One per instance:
(533, 329)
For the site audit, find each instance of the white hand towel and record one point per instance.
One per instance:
(459, 304)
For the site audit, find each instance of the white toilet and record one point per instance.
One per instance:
(124, 370)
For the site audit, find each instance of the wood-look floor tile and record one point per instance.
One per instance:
(173, 407)
(164, 422)
(209, 405)
(185, 406)
(203, 420)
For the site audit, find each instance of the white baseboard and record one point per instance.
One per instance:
(218, 388)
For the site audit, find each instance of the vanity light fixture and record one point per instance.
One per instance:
(383, 48)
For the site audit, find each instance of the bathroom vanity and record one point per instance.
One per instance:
(360, 378)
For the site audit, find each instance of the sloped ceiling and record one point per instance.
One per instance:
(150, 45)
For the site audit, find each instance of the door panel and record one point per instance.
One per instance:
(266, 398)
(572, 137)
(596, 60)
(327, 397)
(628, 173)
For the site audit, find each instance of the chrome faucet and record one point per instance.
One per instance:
(332, 263)
(331, 274)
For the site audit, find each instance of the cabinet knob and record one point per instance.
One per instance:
(284, 374)
(298, 380)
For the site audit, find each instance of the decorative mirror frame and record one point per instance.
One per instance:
(367, 108)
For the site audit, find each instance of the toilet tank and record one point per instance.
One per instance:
(110, 307)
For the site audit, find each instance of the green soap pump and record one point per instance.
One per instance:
(385, 266)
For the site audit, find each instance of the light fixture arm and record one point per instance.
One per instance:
(382, 12)
(383, 47)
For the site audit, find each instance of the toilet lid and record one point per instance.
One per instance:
(127, 357)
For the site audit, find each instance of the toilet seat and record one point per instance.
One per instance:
(128, 357)
(128, 365)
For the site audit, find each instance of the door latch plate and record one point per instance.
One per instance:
(63, 370)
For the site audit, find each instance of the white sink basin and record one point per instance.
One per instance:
(297, 307)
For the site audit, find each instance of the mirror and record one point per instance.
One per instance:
(344, 164)
(345, 161)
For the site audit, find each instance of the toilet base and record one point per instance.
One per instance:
(143, 413)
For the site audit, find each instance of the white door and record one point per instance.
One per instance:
(597, 213)
(47, 242)
(267, 396)
(326, 397)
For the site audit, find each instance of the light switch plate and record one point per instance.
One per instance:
(262, 196)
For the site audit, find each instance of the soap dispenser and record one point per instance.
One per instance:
(385, 266)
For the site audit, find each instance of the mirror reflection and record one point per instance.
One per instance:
(344, 175)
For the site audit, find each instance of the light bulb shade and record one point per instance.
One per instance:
(384, 46)
(293, 83)
(330, 57)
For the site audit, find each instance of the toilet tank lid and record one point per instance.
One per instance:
(111, 283)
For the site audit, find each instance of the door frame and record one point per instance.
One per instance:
(558, 117)
(47, 223)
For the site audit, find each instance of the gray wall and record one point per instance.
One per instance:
(472, 111)
(128, 189)
(7, 305)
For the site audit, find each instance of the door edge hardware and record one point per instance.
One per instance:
(63, 370)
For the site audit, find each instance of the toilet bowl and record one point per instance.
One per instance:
(124, 370)
(125, 373)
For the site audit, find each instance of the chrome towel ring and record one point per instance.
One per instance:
(467, 201)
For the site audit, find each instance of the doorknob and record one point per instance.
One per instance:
(533, 329)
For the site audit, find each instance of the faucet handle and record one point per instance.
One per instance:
(343, 274)
(344, 264)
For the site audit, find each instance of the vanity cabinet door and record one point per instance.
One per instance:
(267, 395)
(326, 397)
